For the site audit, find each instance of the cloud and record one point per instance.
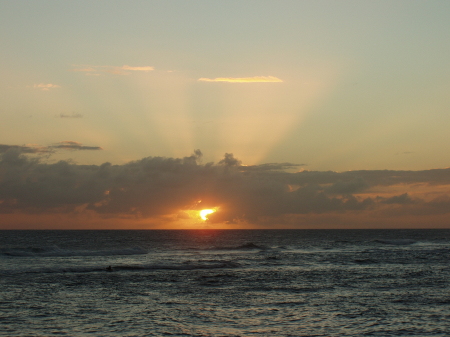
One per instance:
(145, 69)
(229, 160)
(398, 199)
(32, 148)
(39, 149)
(373, 177)
(260, 195)
(270, 167)
(46, 87)
(71, 145)
(123, 70)
(255, 79)
(348, 187)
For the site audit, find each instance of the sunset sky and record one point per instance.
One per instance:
(275, 114)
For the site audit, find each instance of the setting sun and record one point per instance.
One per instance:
(204, 213)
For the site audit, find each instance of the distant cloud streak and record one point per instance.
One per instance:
(145, 69)
(255, 79)
(33, 148)
(71, 145)
(38, 149)
(123, 70)
(46, 87)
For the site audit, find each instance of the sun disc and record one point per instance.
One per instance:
(204, 213)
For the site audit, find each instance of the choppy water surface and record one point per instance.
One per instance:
(225, 283)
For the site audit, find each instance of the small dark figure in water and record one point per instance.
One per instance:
(109, 268)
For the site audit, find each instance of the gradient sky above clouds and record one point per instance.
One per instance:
(325, 85)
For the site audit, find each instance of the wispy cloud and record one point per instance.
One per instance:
(115, 70)
(254, 79)
(28, 148)
(46, 87)
(39, 149)
(71, 145)
(145, 69)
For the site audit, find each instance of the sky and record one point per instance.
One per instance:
(274, 114)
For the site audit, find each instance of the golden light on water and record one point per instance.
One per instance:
(204, 213)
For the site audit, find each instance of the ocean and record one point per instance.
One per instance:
(225, 283)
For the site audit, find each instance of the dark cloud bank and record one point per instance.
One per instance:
(157, 186)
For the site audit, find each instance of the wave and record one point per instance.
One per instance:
(365, 261)
(397, 242)
(117, 268)
(55, 251)
(250, 245)
(245, 246)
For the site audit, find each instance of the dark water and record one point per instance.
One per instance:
(225, 283)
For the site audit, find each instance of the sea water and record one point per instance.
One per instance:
(225, 283)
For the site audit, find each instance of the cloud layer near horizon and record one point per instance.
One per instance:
(261, 195)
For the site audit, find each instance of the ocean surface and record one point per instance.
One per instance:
(225, 283)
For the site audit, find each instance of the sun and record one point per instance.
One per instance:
(204, 213)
